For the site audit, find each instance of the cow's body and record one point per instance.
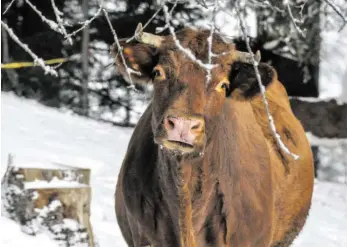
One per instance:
(241, 191)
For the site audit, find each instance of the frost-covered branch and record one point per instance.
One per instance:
(52, 24)
(8, 7)
(286, 3)
(210, 41)
(186, 51)
(162, 29)
(60, 21)
(120, 50)
(338, 11)
(146, 24)
(37, 60)
(277, 137)
(87, 22)
(266, 4)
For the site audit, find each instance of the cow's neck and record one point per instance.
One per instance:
(186, 182)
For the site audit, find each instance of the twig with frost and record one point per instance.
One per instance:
(87, 22)
(37, 60)
(120, 50)
(162, 29)
(209, 42)
(277, 137)
(294, 20)
(338, 11)
(60, 21)
(52, 24)
(186, 51)
(8, 7)
(267, 4)
(147, 23)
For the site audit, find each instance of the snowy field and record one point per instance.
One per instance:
(34, 133)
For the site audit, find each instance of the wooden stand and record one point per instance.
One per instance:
(56, 199)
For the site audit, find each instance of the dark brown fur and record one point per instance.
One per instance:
(236, 187)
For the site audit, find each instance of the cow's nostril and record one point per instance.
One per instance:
(171, 123)
(196, 126)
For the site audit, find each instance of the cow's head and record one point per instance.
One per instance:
(185, 107)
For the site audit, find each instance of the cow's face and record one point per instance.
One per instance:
(186, 106)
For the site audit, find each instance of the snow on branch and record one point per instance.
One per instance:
(120, 50)
(8, 7)
(338, 11)
(146, 24)
(60, 21)
(52, 24)
(286, 3)
(186, 51)
(37, 60)
(209, 41)
(162, 29)
(277, 137)
(266, 4)
(87, 22)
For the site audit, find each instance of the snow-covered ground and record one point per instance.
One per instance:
(34, 133)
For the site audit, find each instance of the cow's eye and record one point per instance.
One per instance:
(224, 86)
(157, 73)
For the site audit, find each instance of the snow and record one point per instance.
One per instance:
(54, 183)
(34, 133)
(330, 142)
(327, 223)
(15, 237)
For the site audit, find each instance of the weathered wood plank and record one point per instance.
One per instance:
(79, 175)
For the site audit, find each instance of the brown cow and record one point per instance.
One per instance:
(202, 167)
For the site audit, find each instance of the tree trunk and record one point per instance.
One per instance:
(85, 61)
(11, 74)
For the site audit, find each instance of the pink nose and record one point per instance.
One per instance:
(183, 129)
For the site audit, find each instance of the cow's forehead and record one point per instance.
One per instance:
(180, 66)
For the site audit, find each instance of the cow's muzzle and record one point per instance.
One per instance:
(183, 134)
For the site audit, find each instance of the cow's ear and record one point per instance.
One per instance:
(243, 80)
(140, 58)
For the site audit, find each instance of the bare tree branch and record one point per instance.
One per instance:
(277, 137)
(37, 60)
(186, 51)
(60, 21)
(8, 7)
(52, 24)
(209, 41)
(120, 50)
(338, 11)
(294, 21)
(147, 23)
(266, 4)
(87, 22)
(162, 29)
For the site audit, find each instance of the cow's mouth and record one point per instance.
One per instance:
(182, 144)
(178, 146)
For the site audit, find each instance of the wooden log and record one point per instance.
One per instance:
(68, 173)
